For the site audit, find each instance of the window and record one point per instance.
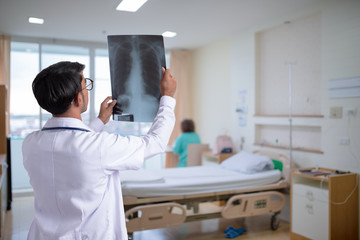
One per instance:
(102, 85)
(24, 110)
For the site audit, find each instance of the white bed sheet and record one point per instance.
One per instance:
(191, 180)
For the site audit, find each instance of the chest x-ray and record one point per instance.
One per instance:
(135, 70)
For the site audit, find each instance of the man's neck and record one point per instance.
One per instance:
(69, 114)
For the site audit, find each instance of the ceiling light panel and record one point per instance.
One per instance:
(169, 34)
(36, 20)
(130, 5)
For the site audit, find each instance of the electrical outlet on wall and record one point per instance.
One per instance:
(336, 112)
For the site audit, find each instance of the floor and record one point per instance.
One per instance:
(18, 221)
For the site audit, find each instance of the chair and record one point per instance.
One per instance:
(194, 157)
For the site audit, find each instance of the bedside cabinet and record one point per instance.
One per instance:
(324, 206)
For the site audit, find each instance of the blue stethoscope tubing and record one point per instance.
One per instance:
(65, 128)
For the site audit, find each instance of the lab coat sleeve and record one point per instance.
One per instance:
(159, 134)
(123, 153)
(96, 125)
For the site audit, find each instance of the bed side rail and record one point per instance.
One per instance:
(253, 204)
(154, 216)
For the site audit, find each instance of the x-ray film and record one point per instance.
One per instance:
(135, 70)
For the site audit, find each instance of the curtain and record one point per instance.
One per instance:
(5, 60)
(180, 69)
(5, 72)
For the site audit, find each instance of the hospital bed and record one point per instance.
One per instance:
(169, 197)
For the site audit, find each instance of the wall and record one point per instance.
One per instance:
(209, 86)
(340, 58)
(298, 42)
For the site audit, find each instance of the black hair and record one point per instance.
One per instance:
(56, 86)
(187, 125)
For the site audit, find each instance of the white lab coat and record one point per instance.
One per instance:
(75, 175)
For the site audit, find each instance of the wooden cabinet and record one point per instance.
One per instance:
(171, 160)
(325, 206)
(218, 157)
(4, 118)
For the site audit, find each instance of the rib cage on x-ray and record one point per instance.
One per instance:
(135, 68)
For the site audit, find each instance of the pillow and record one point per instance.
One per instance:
(246, 162)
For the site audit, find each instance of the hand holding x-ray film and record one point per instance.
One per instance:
(167, 83)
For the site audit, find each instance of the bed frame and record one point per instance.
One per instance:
(162, 212)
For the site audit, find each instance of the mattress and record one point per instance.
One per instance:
(191, 180)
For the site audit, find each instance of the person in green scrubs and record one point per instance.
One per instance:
(188, 136)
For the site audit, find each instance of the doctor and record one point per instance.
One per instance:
(74, 169)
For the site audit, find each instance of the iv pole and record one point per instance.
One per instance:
(290, 65)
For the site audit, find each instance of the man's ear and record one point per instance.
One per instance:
(78, 100)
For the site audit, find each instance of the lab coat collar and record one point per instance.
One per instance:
(66, 122)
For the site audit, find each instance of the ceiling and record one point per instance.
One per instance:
(197, 22)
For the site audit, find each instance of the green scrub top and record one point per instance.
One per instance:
(181, 144)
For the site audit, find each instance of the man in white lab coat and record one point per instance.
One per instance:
(74, 169)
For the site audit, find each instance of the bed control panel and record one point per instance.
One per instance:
(260, 204)
(253, 204)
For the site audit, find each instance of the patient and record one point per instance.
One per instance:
(181, 144)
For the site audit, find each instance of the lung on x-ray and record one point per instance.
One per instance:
(135, 70)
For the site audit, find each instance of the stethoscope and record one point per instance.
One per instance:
(65, 128)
